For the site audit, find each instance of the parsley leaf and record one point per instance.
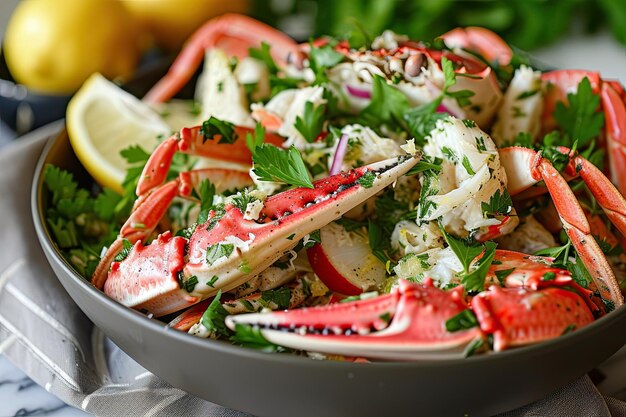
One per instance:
(462, 249)
(281, 297)
(207, 192)
(322, 58)
(134, 154)
(263, 54)
(123, 254)
(426, 164)
(462, 321)
(500, 203)
(387, 106)
(580, 118)
(252, 337)
(462, 97)
(282, 165)
(367, 180)
(214, 316)
(475, 280)
(423, 119)
(311, 125)
(215, 252)
(255, 140)
(215, 128)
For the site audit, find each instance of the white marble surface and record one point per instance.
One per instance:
(20, 396)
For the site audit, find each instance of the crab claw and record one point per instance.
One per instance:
(407, 324)
(519, 316)
(230, 248)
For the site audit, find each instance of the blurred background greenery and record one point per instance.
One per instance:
(527, 24)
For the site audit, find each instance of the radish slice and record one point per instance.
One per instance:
(344, 261)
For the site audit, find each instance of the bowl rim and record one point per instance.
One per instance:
(141, 320)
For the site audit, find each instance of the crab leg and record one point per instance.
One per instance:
(146, 214)
(228, 249)
(481, 40)
(233, 32)
(412, 322)
(192, 141)
(409, 323)
(526, 167)
(615, 114)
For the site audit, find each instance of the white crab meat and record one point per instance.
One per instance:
(407, 237)
(220, 93)
(287, 106)
(521, 107)
(442, 265)
(529, 237)
(471, 174)
(366, 147)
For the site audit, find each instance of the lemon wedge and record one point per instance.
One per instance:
(102, 120)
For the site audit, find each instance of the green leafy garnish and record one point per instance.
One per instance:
(475, 280)
(462, 321)
(255, 140)
(367, 180)
(464, 251)
(580, 118)
(126, 248)
(207, 192)
(252, 337)
(387, 106)
(263, 54)
(214, 128)
(502, 274)
(281, 165)
(312, 122)
(322, 58)
(500, 203)
(215, 252)
(191, 282)
(281, 297)
(214, 317)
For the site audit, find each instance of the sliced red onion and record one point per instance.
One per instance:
(340, 153)
(443, 109)
(358, 92)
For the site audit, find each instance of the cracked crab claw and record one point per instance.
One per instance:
(407, 324)
(230, 248)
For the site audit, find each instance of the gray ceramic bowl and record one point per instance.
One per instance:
(282, 385)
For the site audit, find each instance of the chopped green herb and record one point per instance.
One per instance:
(281, 297)
(580, 118)
(473, 347)
(252, 337)
(367, 180)
(256, 140)
(500, 203)
(191, 282)
(214, 317)
(569, 329)
(502, 274)
(215, 252)
(548, 276)
(464, 251)
(212, 281)
(387, 106)
(468, 166)
(282, 165)
(462, 321)
(207, 193)
(526, 94)
(126, 248)
(263, 54)
(475, 280)
(312, 122)
(213, 128)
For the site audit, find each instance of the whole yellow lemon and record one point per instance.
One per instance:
(53, 46)
(172, 22)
